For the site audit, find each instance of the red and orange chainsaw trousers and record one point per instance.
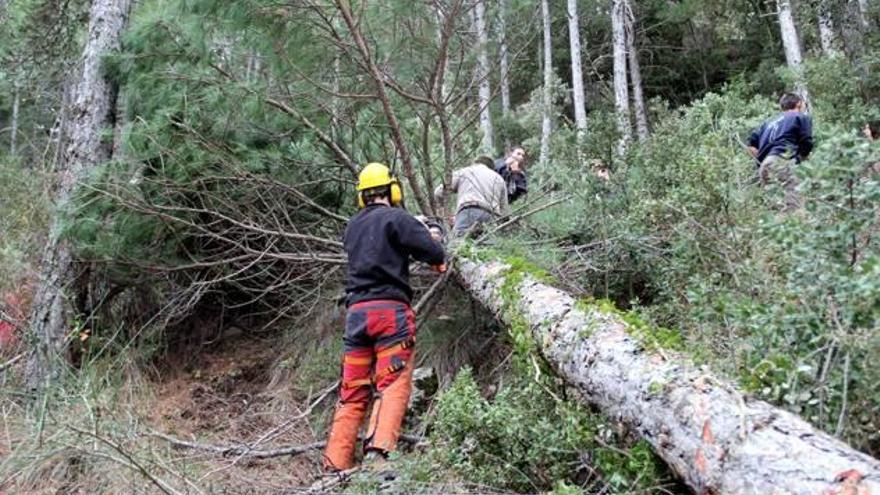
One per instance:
(379, 339)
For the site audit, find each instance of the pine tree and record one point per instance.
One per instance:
(94, 107)
(621, 90)
(547, 100)
(503, 58)
(827, 34)
(577, 78)
(791, 43)
(485, 91)
(635, 75)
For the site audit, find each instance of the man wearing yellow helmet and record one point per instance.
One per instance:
(380, 324)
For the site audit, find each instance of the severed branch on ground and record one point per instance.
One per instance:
(245, 451)
(12, 361)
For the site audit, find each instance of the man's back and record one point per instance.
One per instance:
(789, 135)
(379, 241)
(478, 185)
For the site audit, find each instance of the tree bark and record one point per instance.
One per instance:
(621, 91)
(792, 45)
(504, 58)
(13, 133)
(577, 78)
(547, 104)
(863, 14)
(484, 91)
(718, 440)
(827, 35)
(635, 75)
(93, 111)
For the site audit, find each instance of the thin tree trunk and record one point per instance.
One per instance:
(59, 131)
(13, 135)
(485, 91)
(335, 100)
(118, 150)
(621, 90)
(716, 438)
(94, 105)
(635, 75)
(546, 122)
(446, 23)
(444, 62)
(792, 45)
(827, 35)
(504, 58)
(863, 14)
(379, 80)
(577, 78)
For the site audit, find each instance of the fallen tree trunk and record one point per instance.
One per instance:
(718, 440)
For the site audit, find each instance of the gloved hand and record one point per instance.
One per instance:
(438, 233)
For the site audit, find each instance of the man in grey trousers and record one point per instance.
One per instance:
(481, 196)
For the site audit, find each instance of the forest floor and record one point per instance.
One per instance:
(120, 425)
(231, 393)
(239, 391)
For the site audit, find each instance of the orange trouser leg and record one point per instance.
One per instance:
(388, 412)
(339, 453)
(354, 395)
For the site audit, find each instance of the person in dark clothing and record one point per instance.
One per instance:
(511, 168)
(380, 324)
(781, 143)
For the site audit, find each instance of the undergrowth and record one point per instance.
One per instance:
(526, 439)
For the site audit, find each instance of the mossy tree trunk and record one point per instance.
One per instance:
(717, 439)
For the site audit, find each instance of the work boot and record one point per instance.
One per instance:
(376, 461)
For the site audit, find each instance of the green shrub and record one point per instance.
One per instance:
(526, 440)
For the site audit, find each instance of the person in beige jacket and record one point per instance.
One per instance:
(481, 195)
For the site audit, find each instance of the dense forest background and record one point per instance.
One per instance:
(175, 176)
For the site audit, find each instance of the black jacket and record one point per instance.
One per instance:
(379, 241)
(516, 182)
(789, 135)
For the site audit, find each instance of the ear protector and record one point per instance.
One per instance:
(396, 194)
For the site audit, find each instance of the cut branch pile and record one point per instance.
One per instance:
(717, 439)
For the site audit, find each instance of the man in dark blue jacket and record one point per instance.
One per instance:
(380, 329)
(781, 143)
(511, 169)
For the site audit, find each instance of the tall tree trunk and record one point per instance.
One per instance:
(827, 35)
(621, 90)
(635, 75)
(716, 438)
(546, 120)
(863, 13)
(13, 133)
(577, 78)
(504, 58)
(792, 45)
(93, 108)
(485, 91)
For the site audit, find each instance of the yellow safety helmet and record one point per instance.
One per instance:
(375, 175)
